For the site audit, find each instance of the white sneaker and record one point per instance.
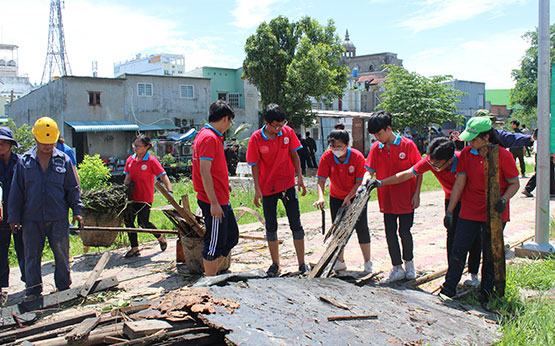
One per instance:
(410, 271)
(397, 273)
(473, 281)
(339, 266)
(368, 267)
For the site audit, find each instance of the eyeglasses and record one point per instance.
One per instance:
(436, 166)
(278, 127)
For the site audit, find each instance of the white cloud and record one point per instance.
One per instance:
(249, 13)
(437, 13)
(489, 60)
(101, 32)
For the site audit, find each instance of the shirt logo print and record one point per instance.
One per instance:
(402, 155)
(286, 140)
(143, 167)
(351, 169)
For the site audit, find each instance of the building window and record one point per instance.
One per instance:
(94, 98)
(233, 99)
(186, 91)
(144, 89)
(222, 96)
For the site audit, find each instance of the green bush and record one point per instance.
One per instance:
(23, 136)
(93, 173)
(167, 160)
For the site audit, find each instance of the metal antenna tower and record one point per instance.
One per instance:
(56, 63)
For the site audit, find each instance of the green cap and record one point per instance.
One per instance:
(474, 127)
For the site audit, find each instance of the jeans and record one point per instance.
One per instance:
(465, 236)
(475, 251)
(142, 212)
(34, 236)
(405, 224)
(291, 204)
(5, 240)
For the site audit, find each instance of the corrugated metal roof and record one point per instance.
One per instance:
(157, 127)
(102, 126)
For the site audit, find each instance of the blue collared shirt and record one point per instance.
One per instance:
(68, 151)
(511, 139)
(43, 196)
(6, 175)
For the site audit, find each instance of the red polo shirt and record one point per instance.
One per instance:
(473, 199)
(386, 161)
(273, 158)
(209, 145)
(446, 177)
(343, 175)
(142, 173)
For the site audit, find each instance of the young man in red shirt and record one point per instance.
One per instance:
(391, 154)
(470, 189)
(211, 182)
(442, 160)
(272, 155)
(344, 166)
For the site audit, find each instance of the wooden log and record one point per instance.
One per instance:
(353, 317)
(98, 268)
(142, 328)
(83, 329)
(494, 223)
(13, 335)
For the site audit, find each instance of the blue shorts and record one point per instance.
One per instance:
(221, 236)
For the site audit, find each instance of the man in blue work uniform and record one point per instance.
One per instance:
(8, 161)
(43, 189)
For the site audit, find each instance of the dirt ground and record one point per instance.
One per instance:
(155, 270)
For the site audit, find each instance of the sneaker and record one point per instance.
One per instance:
(368, 267)
(304, 268)
(410, 271)
(397, 273)
(473, 281)
(445, 294)
(527, 193)
(273, 271)
(339, 266)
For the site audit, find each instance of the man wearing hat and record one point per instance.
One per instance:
(8, 161)
(43, 189)
(470, 189)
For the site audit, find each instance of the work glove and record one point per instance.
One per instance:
(501, 205)
(448, 220)
(374, 183)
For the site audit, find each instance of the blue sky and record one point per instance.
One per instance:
(469, 39)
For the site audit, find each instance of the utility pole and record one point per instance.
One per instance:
(541, 245)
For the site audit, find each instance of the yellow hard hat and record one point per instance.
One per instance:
(46, 131)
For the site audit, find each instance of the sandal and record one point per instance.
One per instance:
(132, 253)
(163, 245)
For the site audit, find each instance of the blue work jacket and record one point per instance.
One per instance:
(43, 196)
(6, 175)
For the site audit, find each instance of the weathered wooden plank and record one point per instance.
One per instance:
(352, 317)
(125, 229)
(494, 224)
(95, 337)
(334, 302)
(95, 274)
(83, 329)
(180, 210)
(142, 328)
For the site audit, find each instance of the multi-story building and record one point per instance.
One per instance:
(12, 85)
(156, 64)
(473, 98)
(102, 115)
(227, 84)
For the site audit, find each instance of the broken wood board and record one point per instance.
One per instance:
(142, 328)
(289, 311)
(96, 337)
(51, 300)
(95, 274)
(83, 329)
(185, 214)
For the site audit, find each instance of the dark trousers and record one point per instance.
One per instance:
(291, 204)
(34, 236)
(5, 240)
(312, 160)
(465, 236)
(391, 229)
(518, 153)
(142, 212)
(363, 233)
(303, 158)
(476, 248)
(531, 185)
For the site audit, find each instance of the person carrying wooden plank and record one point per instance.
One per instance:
(470, 190)
(8, 161)
(43, 189)
(391, 154)
(442, 160)
(211, 182)
(141, 169)
(344, 166)
(272, 155)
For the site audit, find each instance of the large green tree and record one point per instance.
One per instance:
(292, 62)
(524, 96)
(418, 101)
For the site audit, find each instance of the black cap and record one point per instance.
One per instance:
(7, 135)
